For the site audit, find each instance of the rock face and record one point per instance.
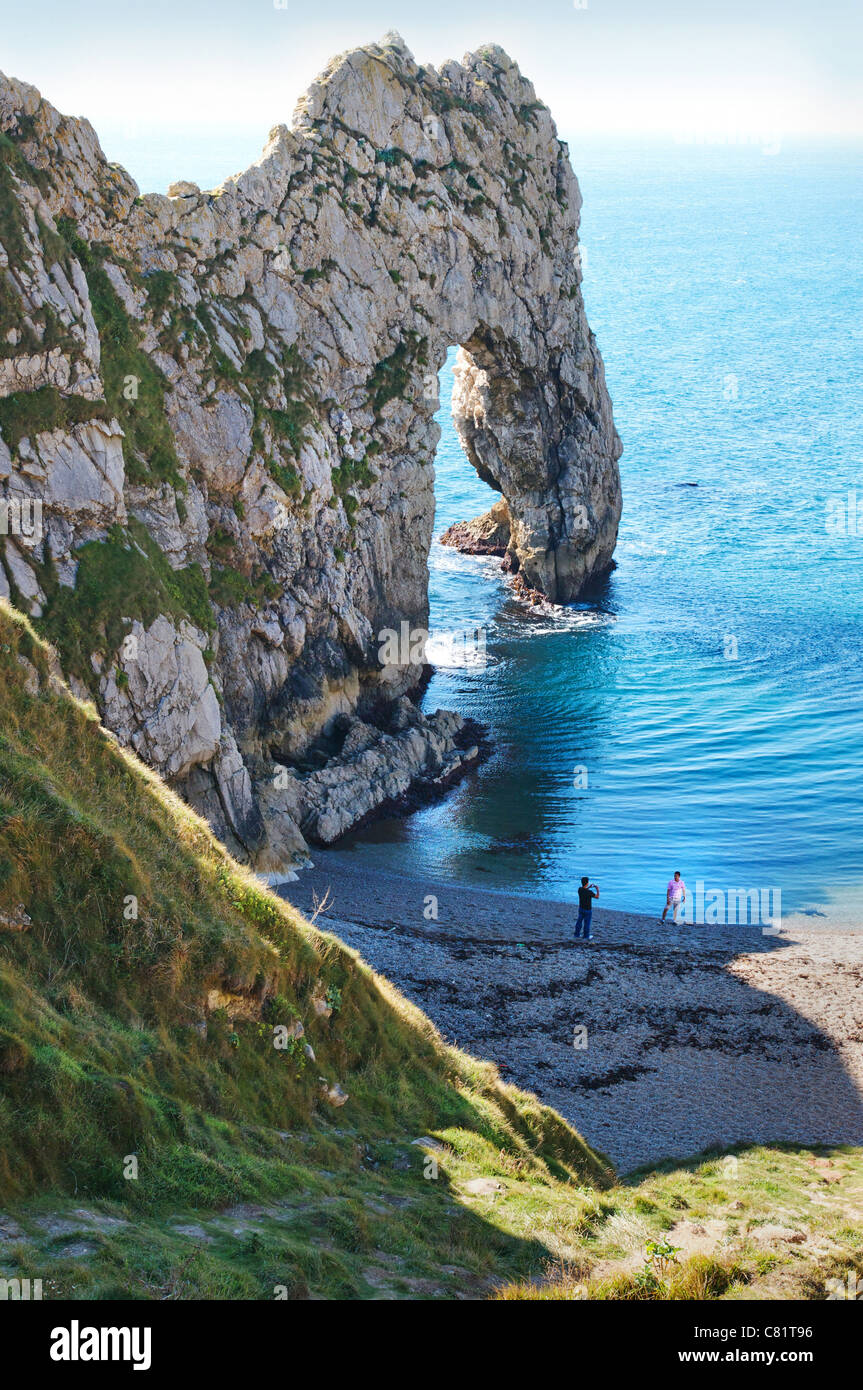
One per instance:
(375, 768)
(166, 707)
(223, 403)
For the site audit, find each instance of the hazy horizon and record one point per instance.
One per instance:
(225, 73)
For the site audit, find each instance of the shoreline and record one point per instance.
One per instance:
(504, 910)
(654, 1042)
(343, 862)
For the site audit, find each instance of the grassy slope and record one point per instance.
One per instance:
(763, 1223)
(104, 1053)
(248, 1180)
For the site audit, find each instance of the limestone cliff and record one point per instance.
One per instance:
(223, 404)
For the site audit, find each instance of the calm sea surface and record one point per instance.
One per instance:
(712, 694)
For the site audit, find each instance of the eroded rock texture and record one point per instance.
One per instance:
(224, 402)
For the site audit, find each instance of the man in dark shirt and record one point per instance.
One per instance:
(586, 894)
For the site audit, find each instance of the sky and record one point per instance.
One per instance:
(171, 78)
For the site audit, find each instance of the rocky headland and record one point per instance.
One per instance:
(217, 425)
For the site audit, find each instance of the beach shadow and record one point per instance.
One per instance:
(706, 1050)
(653, 1044)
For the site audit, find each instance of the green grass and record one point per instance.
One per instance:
(287, 478)
(162, 286)
(12, 233)
(108, 1048)
(351, 474)
(134, 386)
(288, 425)
(391, 156)
(318, 272)
(392, 375)
(347, 478)
(122, 578)
(25, 414)
(709, 1213)
(229, 587)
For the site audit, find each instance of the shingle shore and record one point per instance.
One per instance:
(695, 1036)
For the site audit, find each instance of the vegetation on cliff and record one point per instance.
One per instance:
(122, 578)
(134, 386)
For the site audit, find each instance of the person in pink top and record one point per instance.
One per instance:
(675, 896)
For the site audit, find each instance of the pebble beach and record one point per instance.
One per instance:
(656, 1042)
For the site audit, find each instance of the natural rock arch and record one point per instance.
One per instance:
(497, 270)
(275, 469)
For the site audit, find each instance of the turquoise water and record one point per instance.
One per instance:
(724, 289)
